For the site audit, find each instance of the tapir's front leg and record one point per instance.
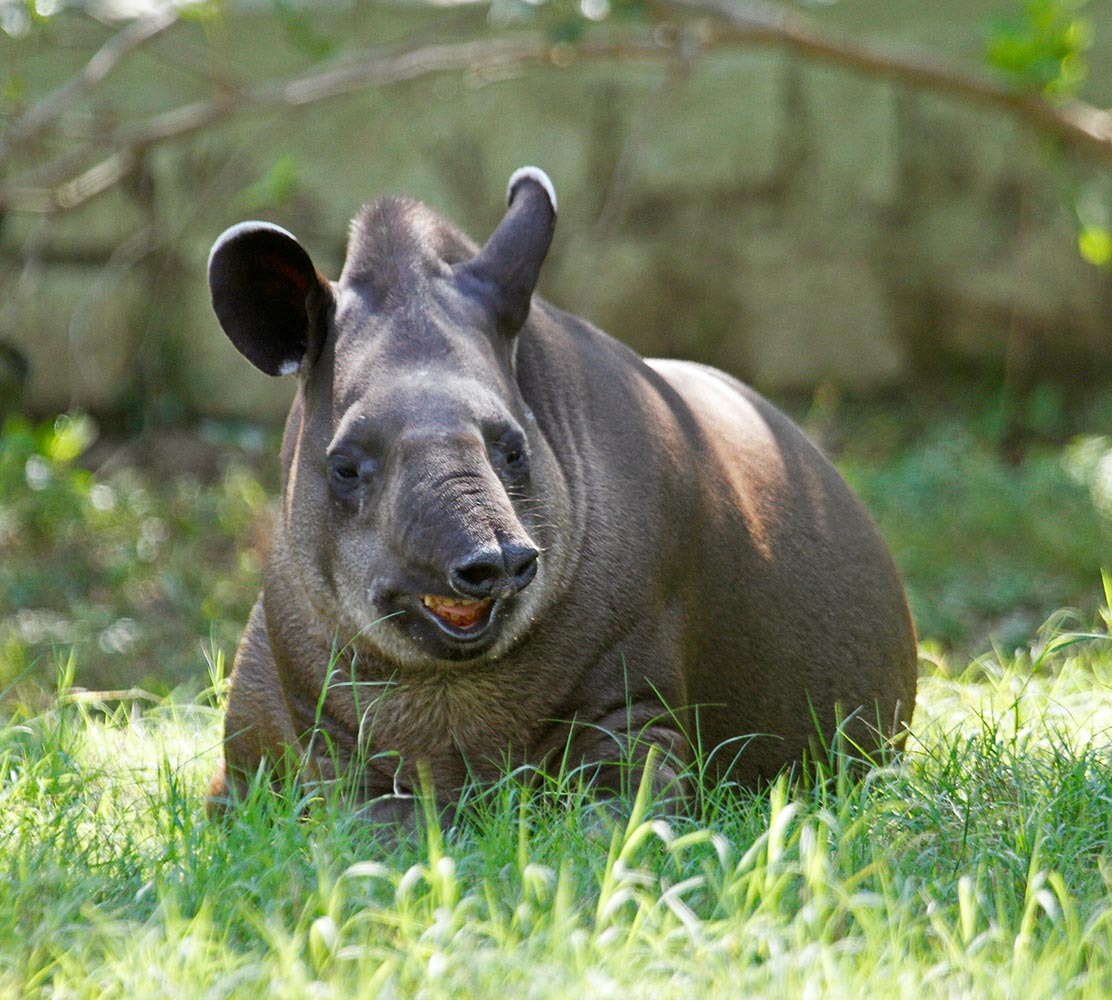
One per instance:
(259, 729)
(258, 726)
(615, 750)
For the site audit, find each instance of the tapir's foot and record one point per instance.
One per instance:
(219, 798)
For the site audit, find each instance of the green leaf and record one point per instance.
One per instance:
(1094, 243)
(275, 188)
(203, 11)
(1042, 47)
(301, 33)
(14, 92)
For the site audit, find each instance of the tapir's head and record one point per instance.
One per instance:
(419, 491)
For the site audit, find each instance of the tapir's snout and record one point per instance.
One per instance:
(484, 582)
(495, 571)
(454, 553)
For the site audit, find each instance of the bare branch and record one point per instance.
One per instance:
(58, 101)
(77, 175)
(54, 185)
(1078, 124)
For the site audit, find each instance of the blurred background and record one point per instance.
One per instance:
(891, 217)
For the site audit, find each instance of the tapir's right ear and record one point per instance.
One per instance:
(268, 296)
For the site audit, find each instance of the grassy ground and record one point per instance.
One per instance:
(979, 864)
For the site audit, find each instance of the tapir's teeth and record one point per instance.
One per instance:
(454, 611)
(431, 600)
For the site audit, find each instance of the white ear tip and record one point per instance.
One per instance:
(242, 228)
(532, 174)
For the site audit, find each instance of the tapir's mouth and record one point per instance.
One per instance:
(460, 618)
(453, 627)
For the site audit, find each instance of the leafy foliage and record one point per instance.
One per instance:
(133, 570)
(975, 536)
(1043, 47)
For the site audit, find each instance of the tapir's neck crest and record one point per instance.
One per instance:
(396, 244)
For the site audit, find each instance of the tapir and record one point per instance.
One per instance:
(507, 540)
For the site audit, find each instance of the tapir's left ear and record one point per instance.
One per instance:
(507, 268)
(268, 296)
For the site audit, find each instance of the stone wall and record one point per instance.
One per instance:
(794, 224)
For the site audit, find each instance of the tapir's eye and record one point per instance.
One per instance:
(347, 473)
(509, 454)
(344, 472)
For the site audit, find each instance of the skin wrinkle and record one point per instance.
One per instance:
(573, 467)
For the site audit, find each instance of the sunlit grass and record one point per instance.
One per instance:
(978, 865)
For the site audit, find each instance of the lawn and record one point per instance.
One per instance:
(977, 864)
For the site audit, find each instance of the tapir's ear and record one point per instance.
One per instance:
(269, 298)
(507, 268)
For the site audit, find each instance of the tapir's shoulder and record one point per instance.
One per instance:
(723, 408)
(731, 409)
(710, 387)
(576, 343)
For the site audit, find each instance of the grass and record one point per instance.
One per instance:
(979, 864)
(972, 535)
(990, 536)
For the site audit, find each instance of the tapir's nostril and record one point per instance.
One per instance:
(521, 562)
(477, 575)
(495, 572)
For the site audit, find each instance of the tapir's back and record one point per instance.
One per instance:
(803, 616)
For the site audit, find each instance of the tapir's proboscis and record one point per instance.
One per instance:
(507, 541)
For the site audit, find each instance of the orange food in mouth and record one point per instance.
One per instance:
(455, 611)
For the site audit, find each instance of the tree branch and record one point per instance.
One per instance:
(62, 183)
(58, 101)
(754, 23)
(69, 179)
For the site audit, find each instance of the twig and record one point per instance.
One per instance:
(68, 180)
(82, 697)
(58, 101)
